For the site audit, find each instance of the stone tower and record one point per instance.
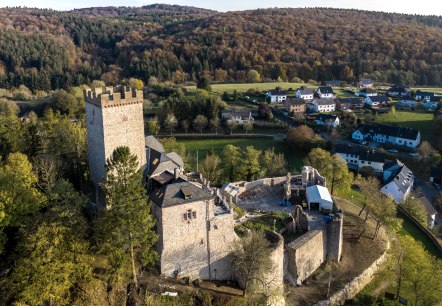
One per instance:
(114, 118)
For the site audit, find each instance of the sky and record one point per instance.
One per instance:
(423, 7)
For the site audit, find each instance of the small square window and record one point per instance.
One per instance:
(194, 214)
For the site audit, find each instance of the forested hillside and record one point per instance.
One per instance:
(45, 49)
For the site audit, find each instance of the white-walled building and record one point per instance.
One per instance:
(358, 157)
(238, 116)
(323, 105)
(398, 181)
(376, 101)
(325, 92)
(389, 134)
(277, 96)
(305, 93)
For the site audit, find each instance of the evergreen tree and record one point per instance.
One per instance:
(125, 230)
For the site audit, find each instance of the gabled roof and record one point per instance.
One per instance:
(333, 82)
(398, 88)
(179, 192)
(389, 130)
(404, 178)
(154, 144)
(365, 81)
(175, 158)
(363, 153)
(424, 93)
(325, 90)
(306, 91)
(317, 192)
(277, 93)
(327, 117)
(324, 101)
(381, 98)
(295, 101)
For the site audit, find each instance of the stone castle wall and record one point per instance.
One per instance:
(275, 279)
(306, 254)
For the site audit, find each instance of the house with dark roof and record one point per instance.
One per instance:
(367, 92)
(277, 96)
(424, 95)
(406, 103)
(327, 120)
(358, 157)
(295, 105)
(401, 91)
(377, 101)
(333, 83)
(365, 83)
(398, 181)
(349, 103)
(305, 93)
(325, 92)
(194, 224)
(322, 105)
(389, 134)
(238, 116)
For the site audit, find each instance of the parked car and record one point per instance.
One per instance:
(393, 151)
(413, 154)
(364, 142)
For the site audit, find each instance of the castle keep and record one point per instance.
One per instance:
(114, 118)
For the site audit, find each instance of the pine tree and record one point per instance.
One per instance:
(125, 230)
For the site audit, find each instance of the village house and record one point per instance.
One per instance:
(238, 116)
(367, 92)
(358, 157)
(325, 92)
(401, 91)
(398, 181)
(322, 106)
(406, 104)
(430, 105)
(424, 95)
(277, 96)
(388, 134)
(305, 93)
(365, 83)
(328, 120)
(377, 101)
(436, 175)
(349, 104)
(333, 83)
(295, 105)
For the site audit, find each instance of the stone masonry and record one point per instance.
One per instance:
(113, 118)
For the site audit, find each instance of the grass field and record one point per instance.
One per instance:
(203, 145)
(416, 120)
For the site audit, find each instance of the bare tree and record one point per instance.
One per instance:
(248, 126)
(170, 123)
(200, 123)
(47, 167)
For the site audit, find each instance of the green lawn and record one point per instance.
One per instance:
(417, 120)
(243, 87)
(203, 145)
(430, 89)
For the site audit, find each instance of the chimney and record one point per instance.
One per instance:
(176, 172)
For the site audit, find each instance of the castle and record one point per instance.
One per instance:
(195, 222)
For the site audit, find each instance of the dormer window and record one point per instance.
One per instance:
(186, 193)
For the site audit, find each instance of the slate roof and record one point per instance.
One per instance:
(365, 81)
(324, 101)
(363, 153)
(295, 101)
(380, 98)
(154, 144)
(306, 91)
(173, 194)
(277, 93)
(389, 130)
(325, 90)
(333, 82)
(175, 158)
(424, 93)
(327, 117)
(398, 88)
(403, 178)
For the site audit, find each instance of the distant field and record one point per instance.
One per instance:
(419, 121)
(203, 145)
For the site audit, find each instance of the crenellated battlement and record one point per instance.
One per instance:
(113, 96)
